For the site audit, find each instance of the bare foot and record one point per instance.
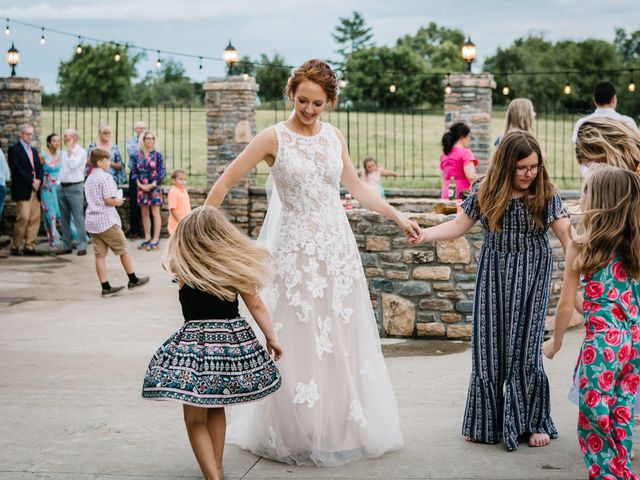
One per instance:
(539, 440)
(469, 439)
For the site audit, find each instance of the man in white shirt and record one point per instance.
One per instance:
(73, 160)
(605, 100)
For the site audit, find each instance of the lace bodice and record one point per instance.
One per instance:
(307, 170)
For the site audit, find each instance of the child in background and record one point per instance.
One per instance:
(607, 257)
(372, 174)
(179, 204)
(457, 161)
(103, 222)
(214, 360)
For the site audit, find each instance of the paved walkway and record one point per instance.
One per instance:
(71, 366)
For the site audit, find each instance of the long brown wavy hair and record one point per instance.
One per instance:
(208, 253)
(494, 192)
(605, 140)
(611, 220)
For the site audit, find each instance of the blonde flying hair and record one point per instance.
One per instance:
(520, 115)
(494, 192)
(208, 253)
(605, 140)
(611, 220)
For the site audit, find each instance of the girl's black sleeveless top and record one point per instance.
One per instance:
(199, 305)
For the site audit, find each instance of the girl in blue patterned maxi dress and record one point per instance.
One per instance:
(214, 360)
(508, 397)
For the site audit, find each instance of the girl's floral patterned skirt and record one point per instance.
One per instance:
(211, 363)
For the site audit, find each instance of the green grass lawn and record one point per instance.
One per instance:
(408, 143)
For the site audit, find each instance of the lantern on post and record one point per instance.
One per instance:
(13, 58)
(469, 52)
(230, 56)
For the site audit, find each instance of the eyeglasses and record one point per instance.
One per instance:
(149, 138)
(106, 133)
(522, 171)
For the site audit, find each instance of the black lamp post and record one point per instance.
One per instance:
(13, 58)
(469, 52)
(230, 56)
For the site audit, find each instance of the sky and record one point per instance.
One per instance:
(295, 29)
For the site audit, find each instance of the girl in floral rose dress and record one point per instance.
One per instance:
(607, 258)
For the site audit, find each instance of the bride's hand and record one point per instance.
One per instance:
(410, 228)
(274, 349)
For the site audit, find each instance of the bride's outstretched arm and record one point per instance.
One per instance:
(369, 197)
(262, 147)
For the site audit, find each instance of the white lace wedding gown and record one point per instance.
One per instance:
(336, 403)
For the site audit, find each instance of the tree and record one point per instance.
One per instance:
(167, 86)
(372, 71)
(272, 75)
(94, 78)
(244, 65)
(535, 54)
(440, 49)
(351, 34)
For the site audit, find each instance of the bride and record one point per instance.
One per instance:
(336, 404)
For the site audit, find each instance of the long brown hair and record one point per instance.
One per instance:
(605, 140)
(611, 220)
(208, 253)
(494, 192)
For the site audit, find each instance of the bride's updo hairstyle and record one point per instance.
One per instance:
(316, 71)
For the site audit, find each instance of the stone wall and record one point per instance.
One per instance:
(20, 102)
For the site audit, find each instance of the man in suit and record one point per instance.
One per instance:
(26, 178)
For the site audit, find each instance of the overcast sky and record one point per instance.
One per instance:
(296, 29)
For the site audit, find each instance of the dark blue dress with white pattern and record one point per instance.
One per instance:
(508, 391)
(214, 360)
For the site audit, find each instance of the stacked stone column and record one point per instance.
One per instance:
(20, 102)
(230, 105)
(470, 102)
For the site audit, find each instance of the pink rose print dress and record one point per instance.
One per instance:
(149, 170)
(608, 372)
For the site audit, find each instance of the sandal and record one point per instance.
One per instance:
(144, 244)
(153, 246)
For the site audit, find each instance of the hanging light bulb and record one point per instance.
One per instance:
(567, 88)
(200, 66)
(79, 47)
(506, 90)
(448, 89)
(245, 76)
(158, 62)
(7, 30)
(343, 83)
(632, 85)
(42, 39)
(393, 88)
(117, 57)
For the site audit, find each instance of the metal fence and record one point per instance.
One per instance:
(406, 141)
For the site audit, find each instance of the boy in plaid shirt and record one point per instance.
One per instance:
(103, 222)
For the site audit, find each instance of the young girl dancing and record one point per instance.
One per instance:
(607, 257)
(214, 360)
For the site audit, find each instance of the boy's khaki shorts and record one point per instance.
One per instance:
(113, 239)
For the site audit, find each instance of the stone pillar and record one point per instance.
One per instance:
(20, 102)
(470, 102)
(230, 105)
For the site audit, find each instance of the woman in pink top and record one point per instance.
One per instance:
(457, 160)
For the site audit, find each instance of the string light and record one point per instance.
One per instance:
(79, 47)
(158, 62)
(117, 56)
(567, 88)
(632, 85)
(506, 90)
(200, 66)
(448, 89)
(42, 39)
(7, 30)
(343, 83)
(393, 88)
(245, 76)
